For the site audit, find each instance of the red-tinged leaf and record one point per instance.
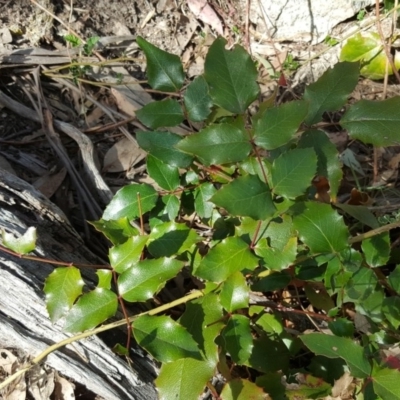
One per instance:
(161, 114)
(217, 144)
(170, 238)
(146, 278)
(62, 287)
(246, 196)
(126, 202)
(242, 389)
(321, 228)
(339, 347)
(91, 310)
(236, 338)
(21, 245)
(227, 257)
(164, 338)
(231, 77)
(278, 125)
(183, 379)
(164, 70)
(293, 171)
(234, 292)
(127, 254)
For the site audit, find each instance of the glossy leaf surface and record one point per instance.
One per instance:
(23, 244)
(164, 338)
(147, 277)
(165, 175)
(235, 292)
(242, 389)
(202, 195)
(117, 231)
(377, 250)
(161, 113)
(164, 70)
(198, 102)
(231, 76)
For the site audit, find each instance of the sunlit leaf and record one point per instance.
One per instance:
(377, 249)
(242, 389)
(165, 175)
(234, 292)
(117, 231)
(202, 195)
(105, 277)
(198, 102)
(23, 244)
(386, 383)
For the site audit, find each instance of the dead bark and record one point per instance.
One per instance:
(24, 323)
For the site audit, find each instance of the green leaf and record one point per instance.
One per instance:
(273, 281)
(127, 254)
(319, 298)
(231, 77)
(183, 379)
(164, 339)
(164, 70)
(271, 324)
(328, 158)
(203, 320)
(310, 387)
(234, 292)
(246, 196)
(376, 249)
(162, 146)
(275, 258)
(394, 279)
(293, 171)
(146, 278)
(172, 206)
(360, 213)
(331, 90)
(104, 276)
(62, 287)
(161, 113)
(217, 144)
(278, 125)
(374, 122)
(225, 258)
(391, 310)
(242, 389)
(321, 228)
(166, 176)
(198, 102)
(117, 231)
(22, 245)
(339, 347)
(236, 338)
(386, 384)
(91, 310)
(202, 195)
(170, 238)
(126, 202)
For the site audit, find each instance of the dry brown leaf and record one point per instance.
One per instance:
(48, 184)
(343, 387)
(122, 156)
(64, 389)
(204, 12)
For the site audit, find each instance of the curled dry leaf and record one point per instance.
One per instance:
(204, 12)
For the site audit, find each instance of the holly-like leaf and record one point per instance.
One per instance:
(274, 258)
(162, 146)
(62, 287)
(321, 228)
(183, 379)
(117, 231)
(293, 171)
(339, 347)
(126, 202)
(225, 258)
(271, 324)
(328, 158)
(231, 77)
(92, 309)
(127, 254)
(278, 125)
(161, 113)
(386, 383)
(202, 195)
(198, 102)
(217, 144)
(104, 276)
(165, 175)
(242, 389)
(391, 310)
(271, 282)
(23, 244)
(394, 279)
(377, 249)
(172, 205)
(164, 338)
(146, 278)
(164, 70)
(236, 338)
(234, 292)
(331, 90)
(171, 238)
(374, 122)
(246, 196)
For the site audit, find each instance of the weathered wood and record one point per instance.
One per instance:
(24, 323)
